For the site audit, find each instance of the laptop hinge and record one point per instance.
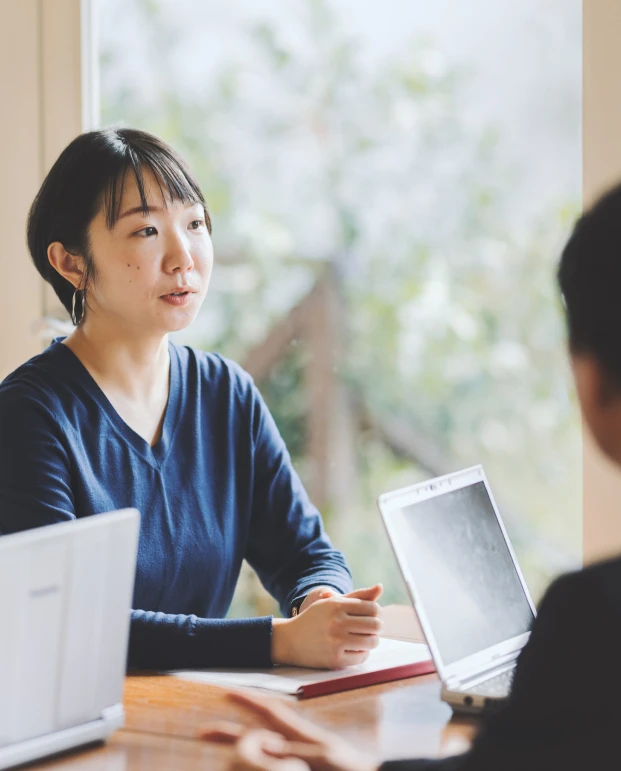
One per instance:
(474, 679)
(500, 665)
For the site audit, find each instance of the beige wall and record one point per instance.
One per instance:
(42, 107)
(20, 290)
(602, 167)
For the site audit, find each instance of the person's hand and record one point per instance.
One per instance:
(318, 593)
(291, 743)
(325, 592)
(254, 751)
(331, 633)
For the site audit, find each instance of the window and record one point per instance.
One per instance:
(390, 186)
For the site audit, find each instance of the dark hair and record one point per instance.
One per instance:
(589, 277)
(90, 174)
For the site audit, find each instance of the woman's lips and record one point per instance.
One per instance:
(178, 299)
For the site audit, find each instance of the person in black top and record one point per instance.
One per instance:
(565, 706)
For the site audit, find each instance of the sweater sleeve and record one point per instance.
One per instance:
(36, 490)
(175, 641)
(287, 544)
(35, 474)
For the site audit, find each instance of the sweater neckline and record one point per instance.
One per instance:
(157, 454)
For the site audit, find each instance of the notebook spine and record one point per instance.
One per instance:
(368, 678)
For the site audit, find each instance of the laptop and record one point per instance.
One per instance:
(65, 600)
(465, 583)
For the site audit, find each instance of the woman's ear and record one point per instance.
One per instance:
(70, 266)
(600, 401)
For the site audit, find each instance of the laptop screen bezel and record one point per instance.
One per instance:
(396, 501)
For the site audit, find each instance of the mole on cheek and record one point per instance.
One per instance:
(128, 264)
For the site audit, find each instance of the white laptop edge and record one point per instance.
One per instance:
(112, 716)
(41, 747)
(468, 667)
(10, 540)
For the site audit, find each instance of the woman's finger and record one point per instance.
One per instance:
(301, 750)
(363, 625)
(353, 658)
(280, 717)
(369, 593)
(352, 641)
(223, 733)
(331, 754)
(361, 642)
(319, 593)
(254, 752)
(355, 607)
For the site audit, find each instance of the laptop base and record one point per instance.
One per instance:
(464, 703)
(41, 746)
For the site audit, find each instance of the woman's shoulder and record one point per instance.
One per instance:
(213, 371)
(219, 387)
(30, 389)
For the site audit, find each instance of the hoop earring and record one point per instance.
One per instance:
(77, 321)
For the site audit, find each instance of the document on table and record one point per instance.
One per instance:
(391, 660)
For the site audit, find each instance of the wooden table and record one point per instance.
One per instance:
(164, 716)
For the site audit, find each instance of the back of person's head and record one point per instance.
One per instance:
(89, 177)
(590, 281)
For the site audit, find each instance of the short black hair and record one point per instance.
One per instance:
(90, 174)
(589, 277)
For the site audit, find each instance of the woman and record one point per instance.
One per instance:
(115, 415)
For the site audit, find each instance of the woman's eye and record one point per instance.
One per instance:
(148, 231)
(195, 225)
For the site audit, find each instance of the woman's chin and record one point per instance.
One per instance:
(176, 322)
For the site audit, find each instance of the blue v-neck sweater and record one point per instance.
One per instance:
(217, 487)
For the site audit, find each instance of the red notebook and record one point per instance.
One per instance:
(391, 660)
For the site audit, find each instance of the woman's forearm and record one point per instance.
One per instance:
(175, 641)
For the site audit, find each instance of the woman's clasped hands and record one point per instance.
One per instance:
(331, 630)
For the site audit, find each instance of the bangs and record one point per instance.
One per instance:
(173, 179)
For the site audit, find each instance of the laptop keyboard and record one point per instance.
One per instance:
(497, 686)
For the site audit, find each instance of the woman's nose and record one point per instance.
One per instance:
(178, 256)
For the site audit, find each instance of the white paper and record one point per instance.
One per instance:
(289, 680)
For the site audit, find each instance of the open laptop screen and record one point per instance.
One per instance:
(463, 572)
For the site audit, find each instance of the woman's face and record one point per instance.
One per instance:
(151, 272)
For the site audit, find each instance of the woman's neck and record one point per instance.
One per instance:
(135, 366)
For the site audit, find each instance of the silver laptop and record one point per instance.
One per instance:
(65, 600)
(465, 584)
